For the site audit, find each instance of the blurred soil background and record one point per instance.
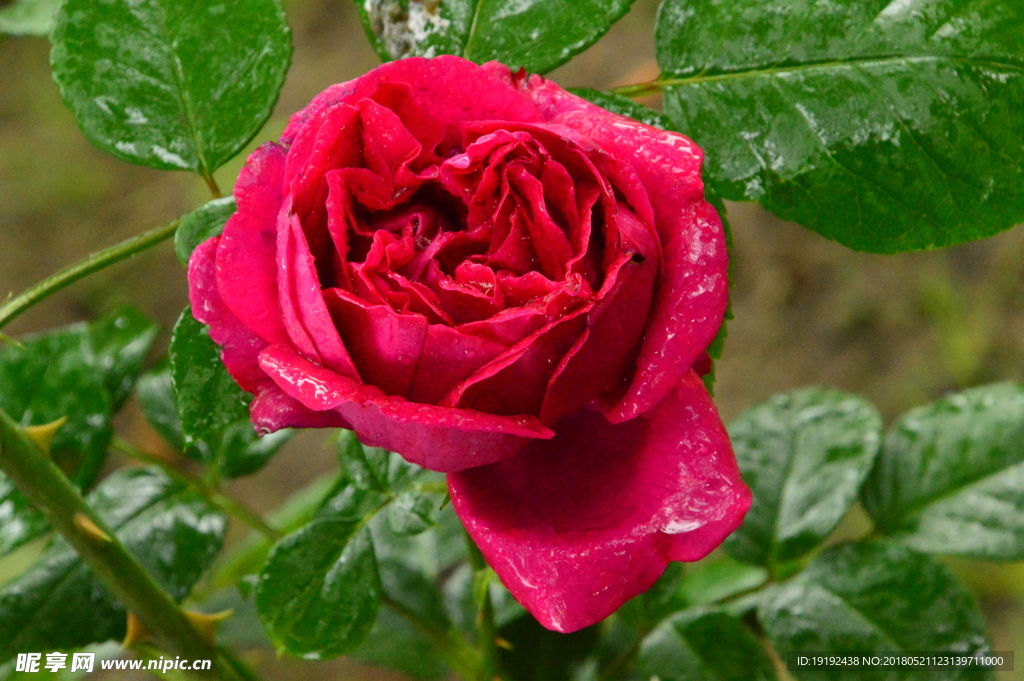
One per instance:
(900, 330)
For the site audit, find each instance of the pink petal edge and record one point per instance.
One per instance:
(438, 438)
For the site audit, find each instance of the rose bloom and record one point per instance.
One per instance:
(503, 282)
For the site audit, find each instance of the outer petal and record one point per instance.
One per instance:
(247, 272)
(693, 292)
(437, 438)
(449, 88)
(577, 525)
(271, 409)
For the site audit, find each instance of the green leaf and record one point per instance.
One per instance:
(319, 591)
(231, 450)
(412, 512)
(239, 451)
(203, 223)
(950, 478)
(365, 467)
(804, 455)
(59, 605)
(171, 84)
(20, 522)
(413, 491)
(155, 393)
(875, 597)
(535, 34)
(28, 17)
(82, 372)
(120, 343)
(721, 578)
(703, 645)
(208, 398)
(886, 126)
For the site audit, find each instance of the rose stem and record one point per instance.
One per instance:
(41, 481)
(85, 267)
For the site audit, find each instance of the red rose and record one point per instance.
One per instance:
(500, 281)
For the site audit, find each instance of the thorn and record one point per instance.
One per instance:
(7, 339)
(207, 625)
(136, 632)
(43, 435)
(86, 524)
(502, 643)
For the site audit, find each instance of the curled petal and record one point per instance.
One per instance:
(438, 438)
(693, 292)
(577, 525)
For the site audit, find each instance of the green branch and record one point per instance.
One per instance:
(83, 268)
(41, 481)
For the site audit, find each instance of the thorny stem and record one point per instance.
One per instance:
(36, 476)
(83, 268)
(216, 498)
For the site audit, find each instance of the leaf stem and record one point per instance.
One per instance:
(216, 498)
(41, 481)
(83, 268)
(485, 616)
(212, 184)
(639, 89)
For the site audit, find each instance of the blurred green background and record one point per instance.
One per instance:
(900, 330)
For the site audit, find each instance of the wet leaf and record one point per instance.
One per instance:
(886, 126)
(877, 597)
(319, 591)
(171, 84)
(804, 455)
(201, 224)
(950, 478)
(535, 34)
(703, 645)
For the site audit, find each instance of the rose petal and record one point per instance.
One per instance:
(614, 327)
(448, 358)
(436, 438)
(693, 292)
(240, 347)
(305, 313)
(246, 255)
(384, 344)
(577, 525)
(452, 89)
(271, 409)
(515, 383)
